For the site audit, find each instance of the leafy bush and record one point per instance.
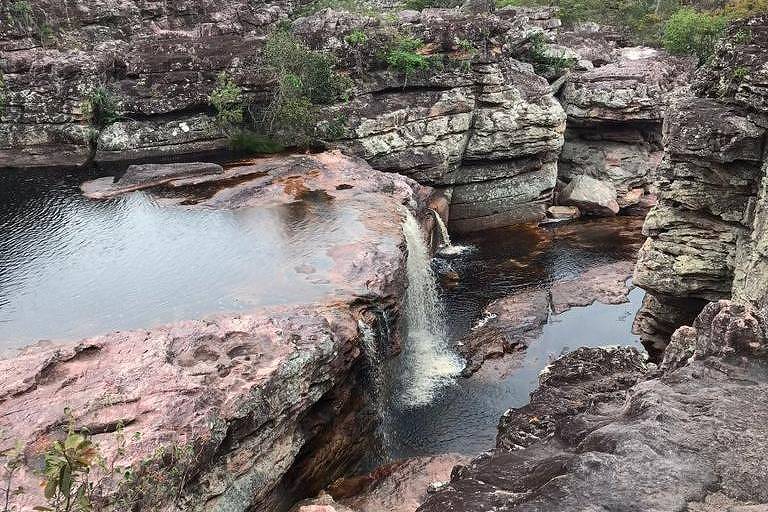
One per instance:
(356, 38)
(402, 56)
(227, 100)
(100, 107)
(692, 32)
(248, 142)
(67, 473)
(304, 79)
(20, 13)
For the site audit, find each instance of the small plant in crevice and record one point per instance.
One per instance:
(543, 62)
(740, 73)
(356, 38)
(403, 56)
(68, 464)
(227, 100)
(101, 107)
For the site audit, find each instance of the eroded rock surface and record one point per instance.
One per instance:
(705, 235)
(615, 107)
(512, 323)
(600, 430)
(270, 403)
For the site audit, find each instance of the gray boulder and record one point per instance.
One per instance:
(590, 196)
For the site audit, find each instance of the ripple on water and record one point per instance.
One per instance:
(72, 267)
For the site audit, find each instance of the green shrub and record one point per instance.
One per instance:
(100, 107)
(543, 63)
(356, 38)
(304, 79)
(246, 141)
(693, 33)
(21, 16)
(402, 56)
(227, 100)
(740, 73)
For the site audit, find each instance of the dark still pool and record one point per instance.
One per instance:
(463, 414)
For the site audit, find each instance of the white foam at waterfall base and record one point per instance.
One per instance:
(427, 361)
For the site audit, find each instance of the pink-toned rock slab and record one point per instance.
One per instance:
(605, 283)
(267, 401)
(398, 487)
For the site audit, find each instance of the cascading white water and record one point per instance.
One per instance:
(447, 249)
(445, 237)
(428, 363)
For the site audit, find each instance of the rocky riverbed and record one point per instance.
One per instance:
(523, 270)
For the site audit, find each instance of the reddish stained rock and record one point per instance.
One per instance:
(510, 324)
(398, 487)
(269, 401)
(606, 284)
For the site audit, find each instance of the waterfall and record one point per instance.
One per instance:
(445, 237)
(377, 384)
(447, 249)
(427, 361)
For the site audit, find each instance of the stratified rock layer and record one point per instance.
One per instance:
(615, 109)
(476, 119)
(705, 235)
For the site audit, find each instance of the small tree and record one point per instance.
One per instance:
(694, 33)
(303, 80)
(100, 107)
(227, 100)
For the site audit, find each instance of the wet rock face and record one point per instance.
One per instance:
(601, 430)
(269, 402)
(705, 235)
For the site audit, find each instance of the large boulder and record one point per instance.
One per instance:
(590, 196)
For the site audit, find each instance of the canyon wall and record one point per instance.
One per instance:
(706, 234)
(477, 120)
